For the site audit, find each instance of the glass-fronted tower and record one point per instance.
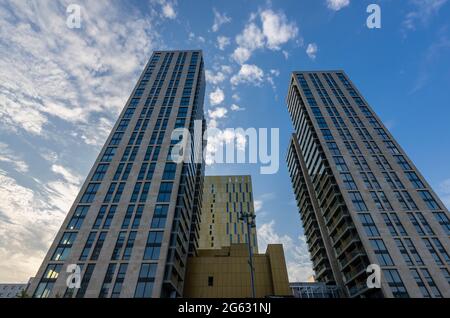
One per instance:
(135, 220)
(361, 199)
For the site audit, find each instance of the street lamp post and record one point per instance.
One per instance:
(249, 219)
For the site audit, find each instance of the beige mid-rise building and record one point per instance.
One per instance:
(225, 198)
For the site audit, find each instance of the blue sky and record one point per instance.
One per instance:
(61, 90)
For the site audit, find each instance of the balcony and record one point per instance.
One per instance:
(339, 233)
(350, 257)
(344, 245)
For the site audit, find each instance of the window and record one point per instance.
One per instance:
(100, 172)
(119, 245)
(332, 146)
(116, 138)
(169, 171)
(429, 200)
(123, 125)
(48, 280)
(146, 279)
(109, 154)
(415, 181)
(87, 247)
(401, 161)
(165, 191)
(443, 220)
(395, 283)
(398, 224)
(389, 224)
(64, 246)
(127, 218)
(340, 164)
(137, 217)
(366, 181)
(210, 280)
(416, 224)
(392, 148)
(420, 283)
(431, 283)
(110, 192)
(100, 216)
(401, 200)
(327, 134)
(98, 246)
(412, 250)
(119, 281)
(127, 171)
(432, 251)
(119, 192)
(381, 252)
(141, 174)
(159, 216)
(153, 246)
(424, 222)
(110, 216)
(145, 190)
(107, 281)
(409, 200)
(89, 193)
(129, 246)
(118, 171)
(349, 183)
(441, 249)
(78, 217)
(397, 181)
(358, 202)
(135, 194)
(446, 274)
(369, 225)
(404, 252)
(85, 280)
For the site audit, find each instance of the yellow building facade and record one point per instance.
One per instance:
(224, 198)
(224, 273)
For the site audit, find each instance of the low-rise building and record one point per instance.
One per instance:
(225, 273)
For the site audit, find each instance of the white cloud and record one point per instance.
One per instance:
(249, 40)
(68, 175)
(94, 66)
(216, 97)
(220, 138)
(274, 31)
(422, 12)
(7, 156)
(277, 29)
(219, 112)
(444, 191)
(251, 37)
(219, 20)
(28, 222)
(311, 51)
(241, 55)
(258, 205)
(250, 74)
(236, 108)
(296, 251)
(223, 42)
(167, 8)
(222, 73)
(169, 11)
(337, 5)
(236, 97)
